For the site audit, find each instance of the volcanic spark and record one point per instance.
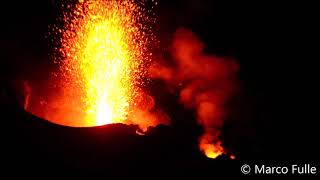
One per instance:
(104, 50)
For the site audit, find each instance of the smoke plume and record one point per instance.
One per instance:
(205, 83)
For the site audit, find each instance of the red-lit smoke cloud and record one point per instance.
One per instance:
(205, 84)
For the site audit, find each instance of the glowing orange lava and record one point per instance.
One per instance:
(104, 50)
(211, 150)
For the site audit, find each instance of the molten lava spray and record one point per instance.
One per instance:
(105, 47)
(103, 57)
(205, 83)
(102, 51)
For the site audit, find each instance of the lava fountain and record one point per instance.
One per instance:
(101, 50)
(104, 50)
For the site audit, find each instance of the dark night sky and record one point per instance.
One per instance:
(272, 41)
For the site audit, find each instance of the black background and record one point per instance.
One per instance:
(272, 119)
